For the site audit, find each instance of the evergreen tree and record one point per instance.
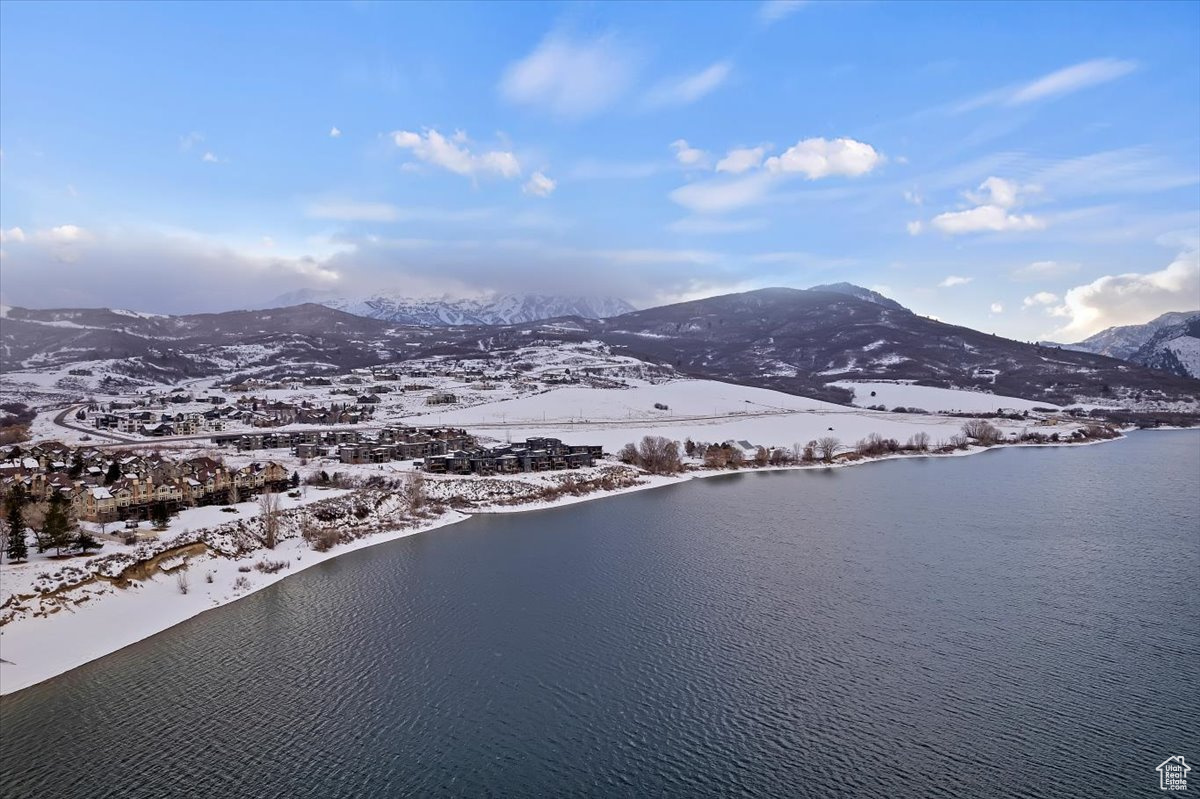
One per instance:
(76, 467)
(295, 479)
(113, 474)
(57, 529)
(84, 541)
(17, 549)
(160, 515)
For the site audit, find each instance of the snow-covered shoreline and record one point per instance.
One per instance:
(33, 650)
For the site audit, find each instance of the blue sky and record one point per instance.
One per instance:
(1029, 169)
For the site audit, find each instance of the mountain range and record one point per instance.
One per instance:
(793, 340)
(1170, 342)
(494, 309)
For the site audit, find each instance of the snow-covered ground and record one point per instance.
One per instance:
(703, 410)
(935, 400)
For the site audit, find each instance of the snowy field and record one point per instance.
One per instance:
(708, 411)
(935, 400)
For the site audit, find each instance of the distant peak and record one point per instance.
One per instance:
(861, 293)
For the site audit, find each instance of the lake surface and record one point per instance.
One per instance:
(1022, 622)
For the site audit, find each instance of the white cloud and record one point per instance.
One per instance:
(954, 280)
(434, 148)
(772, 11)
(64, 234)
(210, 158)
(994, 199)
(716, 196)
(539, 185)
(1040, 298)
(1132, 298)
(689, 88)
(688, 155)
(811, 158)
(997, 308)
(913, 197)
(915, 227)
(335, 132)
(1072, 79)
(571, 78)
(983, 218)
(819, 158)
(741, 160)
(995, 191)
(13, 234)
(1040, 270)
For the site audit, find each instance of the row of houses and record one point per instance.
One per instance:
(104, 486)
(537, 454)
(354, 446)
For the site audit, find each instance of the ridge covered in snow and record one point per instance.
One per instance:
(494, 309)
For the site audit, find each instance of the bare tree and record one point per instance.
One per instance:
(761, 457)
(828, 447)
(797, 452)
(716, 457)
(181, 580)
(268, 506)
(659, 455)
(413, 491)
(919, 442)
(982, 431)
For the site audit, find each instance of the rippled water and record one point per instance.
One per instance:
(1016, 623)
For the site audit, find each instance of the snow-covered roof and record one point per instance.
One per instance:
(99, 492)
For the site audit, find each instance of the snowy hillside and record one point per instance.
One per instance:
(496, 309)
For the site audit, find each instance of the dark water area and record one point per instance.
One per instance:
(1017, 623)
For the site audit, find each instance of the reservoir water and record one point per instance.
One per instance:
(1024, 622)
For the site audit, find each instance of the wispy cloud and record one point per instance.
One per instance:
(687, 89)
(1044, 270)
(1072, 79)
(354, 211)
(772, 11)
(1055, 84)
(571, 77)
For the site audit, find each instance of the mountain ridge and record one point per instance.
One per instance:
(493, 309)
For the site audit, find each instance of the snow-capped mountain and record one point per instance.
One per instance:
(1122, 342)
(496, 309)
(1174, 348)
(1170, 342)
